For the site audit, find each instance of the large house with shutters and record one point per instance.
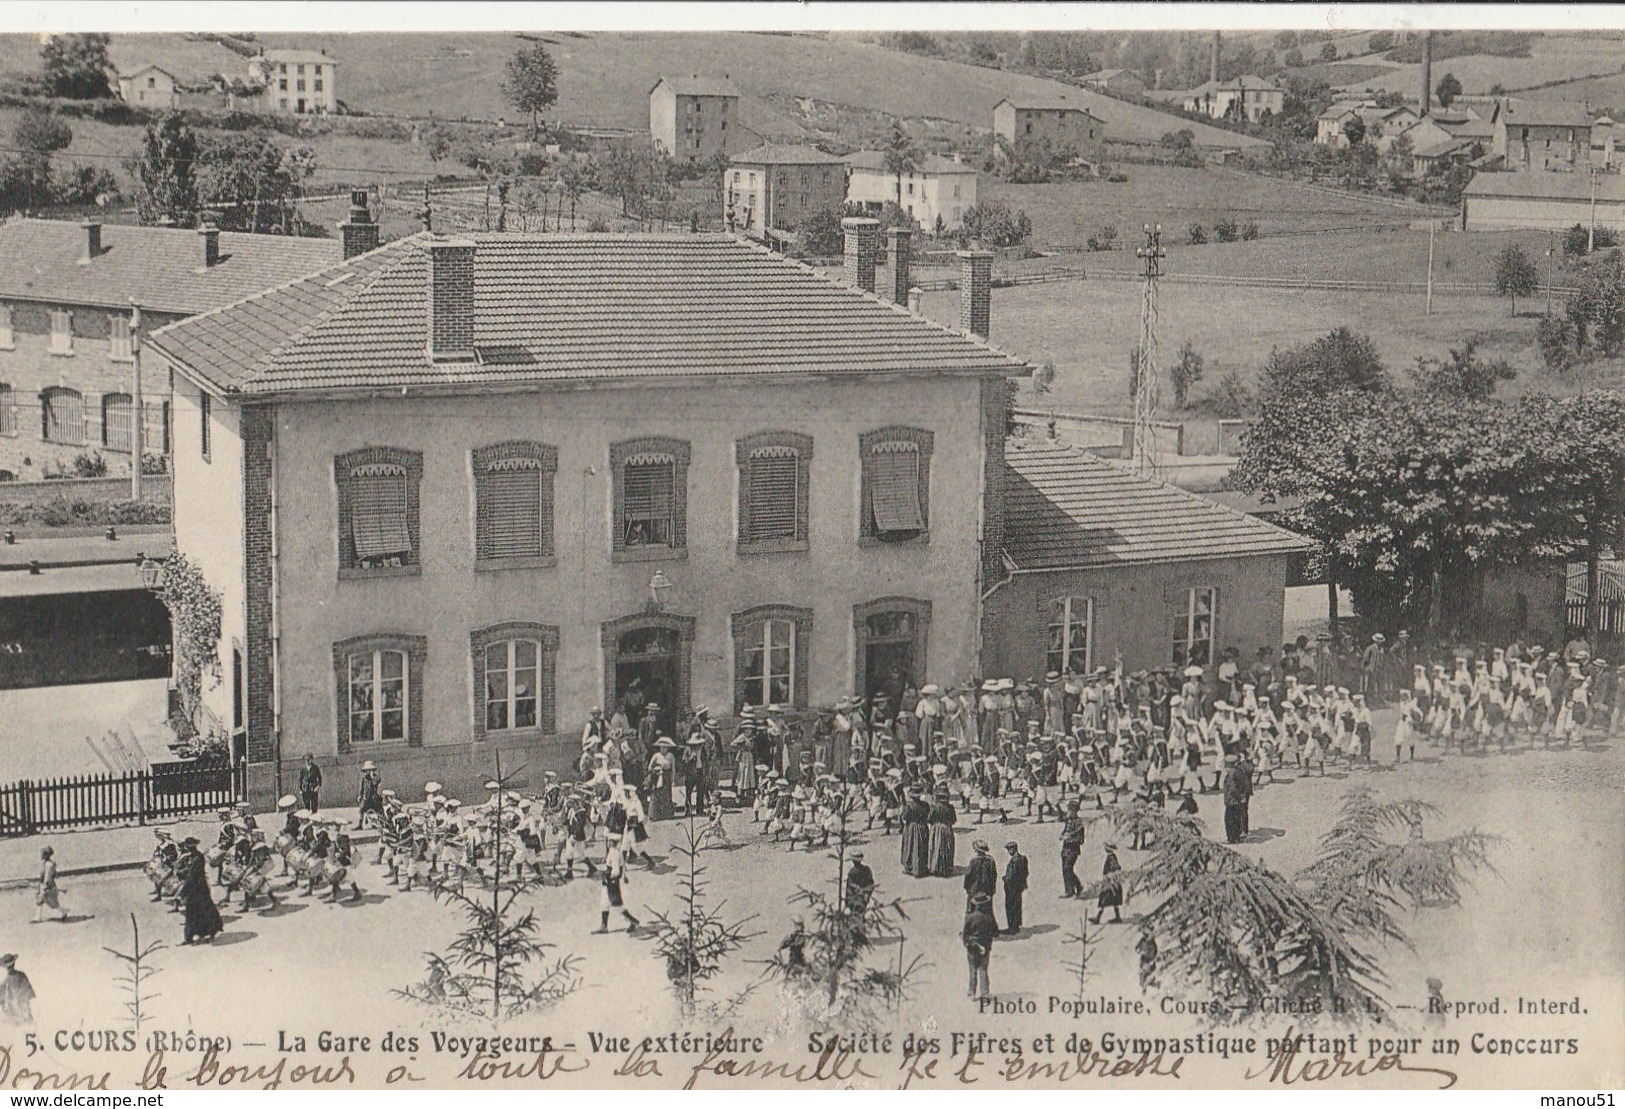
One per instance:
(69, 346)
(457, 491)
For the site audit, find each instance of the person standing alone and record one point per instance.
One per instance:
(977, 936)
(310, 784)
(1015, 887)
(1071, 847)
(46, 895)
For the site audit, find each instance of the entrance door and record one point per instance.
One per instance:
(891, 658)
(647, 673)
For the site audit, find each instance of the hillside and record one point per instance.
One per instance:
(1553, 62)
(605, 77)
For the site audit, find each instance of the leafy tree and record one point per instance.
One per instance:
(1354, 131)
(1447, 90)
(1576, 241)
(194, 616)
(166, 173)
(1462, 376)
(1597, 308)
(1233, 399)
(76, 66)
(1293, 59)
(900, 156)
(1328, 51)
(531, 83)
(1249, 231)
(820, 234)
(1226, 229)
(1516, 274)
(39, 132)
(1285, 40)
(1185, 372)
(1558, 348)
(26, 181)
(1587, 441)
(1380, 42)
(995, 225)
(1198, 234)
(1337, 361)
(255, 182)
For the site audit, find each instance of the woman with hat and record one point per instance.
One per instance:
(202, 920)
(1111, 887)
(46, 894)
(744, 747)
(941, 821)
(662, 771)
(916, 846)
(367, 797)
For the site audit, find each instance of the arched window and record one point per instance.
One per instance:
(117, 428)
(62, 415)
(380, 689)
(514, 667)
(513, 494)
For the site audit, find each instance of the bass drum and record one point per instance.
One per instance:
(297, 858)
(171, 886)
(283, 844)
(231, 873)
(332, 872)
(254, 884)
(216, 855)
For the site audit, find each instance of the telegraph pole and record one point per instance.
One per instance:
(1433, 226)
(1591, 236)
(1551, 261)
(137, 436)
(1145, 387)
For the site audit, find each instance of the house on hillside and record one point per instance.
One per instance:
(769, 191)
(1442, 156)
(1542, 135)
(304, 82)
(1115, 82)
(1603, 153)
(69, 341)
(937, 192)
(1063, 128)
(512, 477)
(1099, 562)
(150, 86)
(1246, 97)
(1330, 125)
(696, 118)
(1542, 201)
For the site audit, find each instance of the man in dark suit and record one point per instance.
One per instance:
(1236, 787)
(1072, 833)
(860, 884)
(977, 936)
(1015, 886)
(310, 784)
(982, 875)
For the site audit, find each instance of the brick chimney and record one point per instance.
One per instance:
(861, 237)
(209, 236)
(898, 241)
(1213, 60)
(1427, 72)
(976, 291)
(93, 241)
(451, 299)
(359, 232)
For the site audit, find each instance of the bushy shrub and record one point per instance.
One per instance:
(1198, 234)
(1226, 230)
(1104, 239)
(1555, 336)
(1249, 231)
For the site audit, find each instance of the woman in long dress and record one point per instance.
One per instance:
(941, 823)
(1111, 888)
(202, 920)
(662, 769)
(916, 836)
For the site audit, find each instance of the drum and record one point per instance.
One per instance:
(332, 872)
(297, 857)
(311, 867)
(283, 844)
(171, 886)
(231, 873)
(216, 856)
(254, 884)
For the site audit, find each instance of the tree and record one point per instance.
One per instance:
(1447, 90)
(995, 225)
(1588, 454)
(76, 66)
(1597, 308)
(820, 235)
(1354, 131)
(166, 173)
(900, 156)
(194, 617)
(1185, 372)
(1328, 51)
(1576, 241)
(1462, 376)
(693, 942)
(1293, 59)
(39, 132)
(255, 182)
(1338, 360)
(1380, 42)
(531, 83)
(1516, 274)
(26, 180)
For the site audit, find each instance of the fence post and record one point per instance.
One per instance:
(25, 798)
(143, 783)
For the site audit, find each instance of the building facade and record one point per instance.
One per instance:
(1552, 136)
(1245, 97)
(1100, 563)
(937, 192)
(696, 118)
(1115, 82)
(1543, 202)
(304, 82)
(445, 523)
(70, 333)
(150, 87)
(773, 189)
(1064, 128)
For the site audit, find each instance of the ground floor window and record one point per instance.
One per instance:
(771, 645)
(514, 668)
(380, 691)
(1071, 635)
(1194, 621)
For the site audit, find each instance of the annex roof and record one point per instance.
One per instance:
(875, 162)
(160, 268)
(148, 68)
(1056, 103)
(296, 54)
(566, 309)
(1546, 186)
(697, 84)
(1067, 509)
(775, 154)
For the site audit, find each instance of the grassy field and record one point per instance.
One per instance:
(1551, 58)
(1087, 328)
(605, 77)
(1066, 214)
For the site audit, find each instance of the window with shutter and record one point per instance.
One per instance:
(117, 426)
(378, 522)
(510, 511)
(647, 501)
(774, 477)
(894, 488)
(8, 410)
(119, 344)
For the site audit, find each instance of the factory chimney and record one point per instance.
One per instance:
(1213, 60)
(1427, 72)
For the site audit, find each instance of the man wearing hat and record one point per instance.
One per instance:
(1072, 833)
(1236, 788)
(16, 994)
(310, 784)
(977, 936)
(367, 798)
(1371, 665)
(1015, 887)
(1111, 887)
(981, 875)
(202, 920)
(860, 885)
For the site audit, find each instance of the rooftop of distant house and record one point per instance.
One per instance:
(875, 161)
(1056, 102)
(1545, 113)
(159, 268)
(295, 54)
(563, 310)
(1547, 186)
(785, 155)
(1067, 509)
(698, 84)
